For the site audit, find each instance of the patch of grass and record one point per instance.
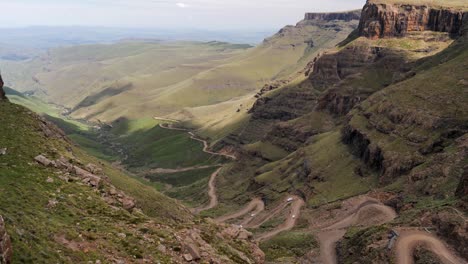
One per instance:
(288, 244)
(267, 150)
(193, 195)
(163, 148)
(179, 179)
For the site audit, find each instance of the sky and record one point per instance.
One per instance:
(200, 14)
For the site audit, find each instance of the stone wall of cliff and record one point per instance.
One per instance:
(396, 20)
(2, 92)
(5, 244)
(346, 16)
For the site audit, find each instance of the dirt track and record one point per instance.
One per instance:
(367, 213)
(267, 215)
(212, 183)
(169, 171)
(408, 240)
(255, 206)
(290, 221)
(211, 193)
(206, 146)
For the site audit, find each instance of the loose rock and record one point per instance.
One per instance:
(43, 160)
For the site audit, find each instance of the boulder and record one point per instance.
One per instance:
(43, 160)
(162, 249)
(93, 169)
(188, 257)
(92, 180)
(63, 163)
(88, 178)
(128, 203)
(193, 250)
(235, 232)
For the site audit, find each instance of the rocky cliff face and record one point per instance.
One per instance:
(346, 16)
(396, 20)
(5, 244)
(2, 92)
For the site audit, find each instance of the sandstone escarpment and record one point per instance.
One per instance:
(346, 16)
(396, 20)
(329, 69)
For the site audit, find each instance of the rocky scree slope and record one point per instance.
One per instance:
(61, 205)
(383, 112)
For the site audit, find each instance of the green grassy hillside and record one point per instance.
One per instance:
(384, 117)
(54, 217)
(80, 214)
(141, 80)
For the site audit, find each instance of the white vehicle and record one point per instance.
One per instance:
(293, 216)
(290, 199)
(252, 215)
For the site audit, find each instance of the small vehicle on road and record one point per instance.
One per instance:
(293, 216)
(290, 199)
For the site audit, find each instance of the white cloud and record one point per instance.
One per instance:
(182, 5)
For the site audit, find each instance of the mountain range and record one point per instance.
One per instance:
(341, 139)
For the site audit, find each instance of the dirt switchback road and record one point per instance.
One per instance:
(408, 240)
(206, 146)
(255, 206)
(290, 222)
(367, 213)
(211, 193)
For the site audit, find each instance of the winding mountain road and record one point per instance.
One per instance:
(211, 193)
(169, 171)
(368, 213)
(255, 206)
(212, 183)
(267, 215)
(206, 146)
(409, 240)
(290, 222)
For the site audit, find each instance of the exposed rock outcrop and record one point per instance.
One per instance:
(396, 20)
(462, 190)
(454, 229)
(2, 92)
(6, 250)
(331, 68)
(346, 16)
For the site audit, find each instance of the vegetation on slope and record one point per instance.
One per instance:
(53, 216)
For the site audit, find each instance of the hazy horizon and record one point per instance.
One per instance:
(167, 14)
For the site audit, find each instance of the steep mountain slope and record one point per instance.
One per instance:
(384, 113)
(58, 206)
(288, 52)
